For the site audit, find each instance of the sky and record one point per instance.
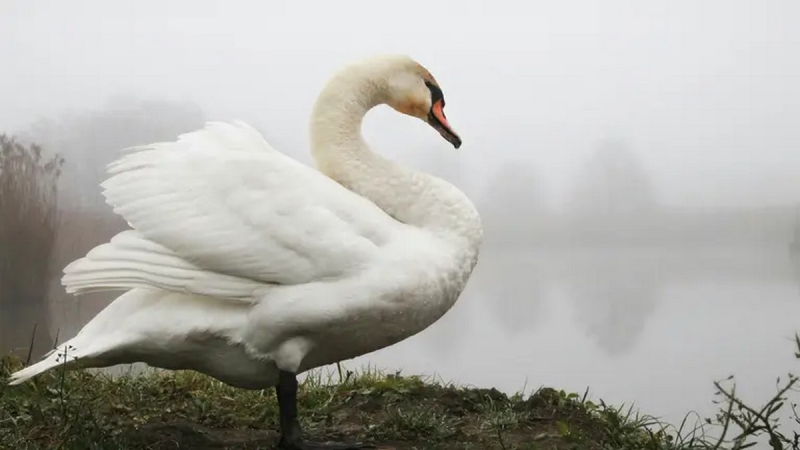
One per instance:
(706, 93)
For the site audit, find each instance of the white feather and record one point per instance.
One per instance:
(220, 206)
(167, 330)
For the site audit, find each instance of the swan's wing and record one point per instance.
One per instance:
(131, 261)
(224, 201)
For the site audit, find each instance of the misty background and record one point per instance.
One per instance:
(637, 166)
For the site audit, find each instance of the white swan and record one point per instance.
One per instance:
(250, 267)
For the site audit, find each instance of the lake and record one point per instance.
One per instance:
(650, 326)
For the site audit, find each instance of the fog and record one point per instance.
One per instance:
(637, 165)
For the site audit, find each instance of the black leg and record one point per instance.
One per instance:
(291, 433)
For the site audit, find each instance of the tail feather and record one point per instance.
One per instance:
(64, 355)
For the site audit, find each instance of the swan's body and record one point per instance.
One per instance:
(243, 263)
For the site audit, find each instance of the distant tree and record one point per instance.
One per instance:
(613, 182)
(28, 223)
(614, 199)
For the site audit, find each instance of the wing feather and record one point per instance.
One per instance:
(222, 201)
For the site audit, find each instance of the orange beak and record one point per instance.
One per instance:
(437, 120)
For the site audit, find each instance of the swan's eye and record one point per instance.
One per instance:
(436, 93)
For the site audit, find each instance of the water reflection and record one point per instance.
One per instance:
(666, 322)
(512, 289)
(615, 293)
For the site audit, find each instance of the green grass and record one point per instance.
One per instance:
(168, 410)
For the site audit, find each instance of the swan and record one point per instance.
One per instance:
(251, 267)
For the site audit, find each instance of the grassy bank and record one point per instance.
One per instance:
(80, 410)
(158, 410)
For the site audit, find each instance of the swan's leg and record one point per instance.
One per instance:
(291, 433)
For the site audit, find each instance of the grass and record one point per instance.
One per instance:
(168, 410)
(185, 409)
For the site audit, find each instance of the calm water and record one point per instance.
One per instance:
(656, 327)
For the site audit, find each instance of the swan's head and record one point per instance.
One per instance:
(412, 90)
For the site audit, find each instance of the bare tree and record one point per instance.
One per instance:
(614, 201)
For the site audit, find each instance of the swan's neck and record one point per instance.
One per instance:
(409, 196)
